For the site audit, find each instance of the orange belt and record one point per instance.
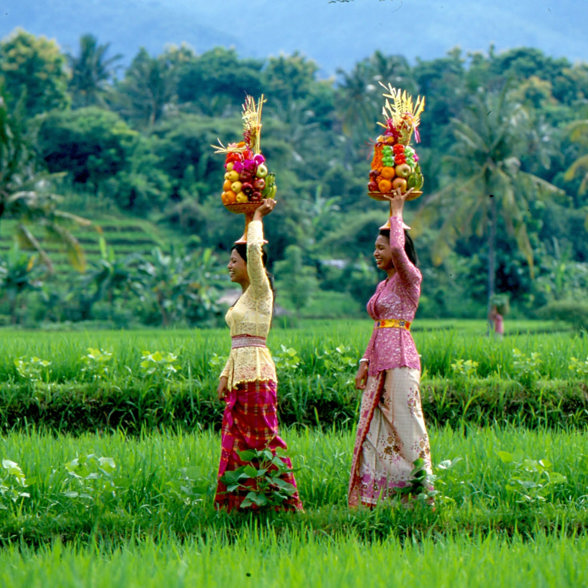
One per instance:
(393, 323)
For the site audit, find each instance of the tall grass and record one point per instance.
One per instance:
(304, 559)
(528, 379)
(148, 520)
(438, 345)
(164, 483)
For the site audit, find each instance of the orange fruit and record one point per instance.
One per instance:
(229, 197)
(227, 185)
(388, 173)
(385, 185)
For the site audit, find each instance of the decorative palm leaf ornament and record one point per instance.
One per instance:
(395, 163)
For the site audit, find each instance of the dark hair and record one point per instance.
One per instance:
(408, 246)
(241, 249)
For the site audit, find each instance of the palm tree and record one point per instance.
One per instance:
(394, 70)
(91, 71)
(358, 99)
(148, 87)
(486, 181)
(578, 133)
(25, 196)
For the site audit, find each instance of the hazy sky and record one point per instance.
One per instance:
(334, 34)
(425, 28)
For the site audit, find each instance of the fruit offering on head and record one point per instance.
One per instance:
(395, 163)
(247, 177)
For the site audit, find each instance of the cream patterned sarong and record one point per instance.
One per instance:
(391, 435)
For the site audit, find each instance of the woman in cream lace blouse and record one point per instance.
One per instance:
(248, 382)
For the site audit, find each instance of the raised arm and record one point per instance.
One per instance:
(407, 271)
(258, 280)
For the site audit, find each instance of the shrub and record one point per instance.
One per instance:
(569, 311)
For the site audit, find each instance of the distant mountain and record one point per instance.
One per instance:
(335, 34)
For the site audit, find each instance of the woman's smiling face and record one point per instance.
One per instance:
(383, 254)
(237, 267)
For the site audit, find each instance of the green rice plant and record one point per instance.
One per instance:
(315, 363)
(264, 556)
(167, 480)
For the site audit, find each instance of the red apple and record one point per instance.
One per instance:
(259, 183)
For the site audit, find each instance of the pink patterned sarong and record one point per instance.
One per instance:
(250, 421)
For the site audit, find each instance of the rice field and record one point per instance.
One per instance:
(110, 508)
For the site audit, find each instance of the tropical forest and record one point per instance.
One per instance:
(111, 208)
(115, 359)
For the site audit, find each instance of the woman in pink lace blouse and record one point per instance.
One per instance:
(391, 434)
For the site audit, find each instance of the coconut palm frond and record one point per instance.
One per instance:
(579, 166)
(73, 249)
(27, 240)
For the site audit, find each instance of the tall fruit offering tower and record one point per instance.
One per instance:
(395, 163)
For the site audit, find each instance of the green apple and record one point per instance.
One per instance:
(403, 170)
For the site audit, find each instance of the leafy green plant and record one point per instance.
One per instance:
(532, 480)
(527, 367)
(579, 367)
(96, 363)
(338, 360)
(12, 483)
(420, 486)
(287, 359)
(465, 368)
(266, 470)
(160, 365)
(34, 369)
(90, 477)
(217, 361)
